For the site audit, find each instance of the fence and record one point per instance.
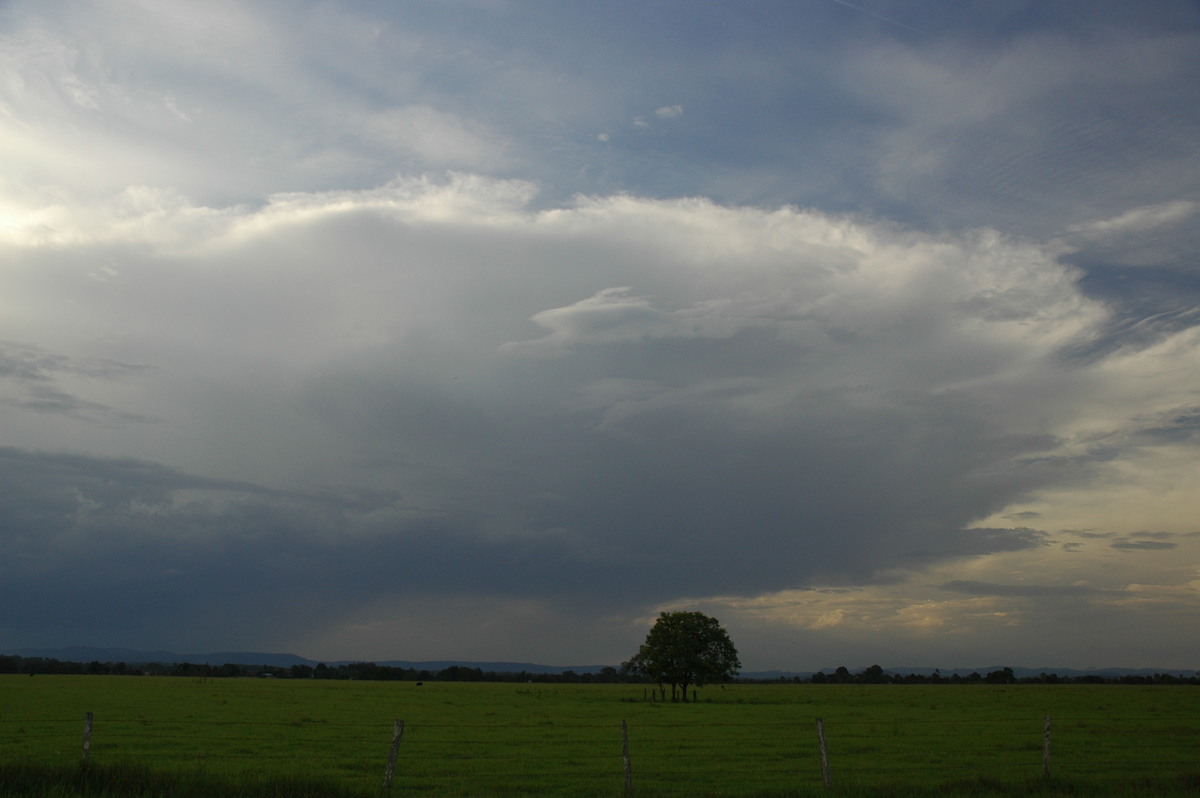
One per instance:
(655, 758)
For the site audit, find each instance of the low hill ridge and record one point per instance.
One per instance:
(275, 660)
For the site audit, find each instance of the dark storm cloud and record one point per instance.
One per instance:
(90, 540)
(97, 541)
(70, 481)
(91, 544)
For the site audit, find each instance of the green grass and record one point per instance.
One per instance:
(137, 781)
(298, 738)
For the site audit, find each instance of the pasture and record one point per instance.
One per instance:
(472, 739)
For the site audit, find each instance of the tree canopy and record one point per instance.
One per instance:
(685, 648)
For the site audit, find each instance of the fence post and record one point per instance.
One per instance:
(824, 753)
(397, 733)
(1046, 749)
(628, 762)
(87, 736)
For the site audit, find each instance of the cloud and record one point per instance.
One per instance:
(320, 319)
(1138, 220)
(30, 379)
(435, 137)
(89, 540)
(985, 541)
(611, 315)
(888, 20)
(674, 397)
(1021, 130)
(1144, 545)
(1024, 591)
(1149, 237)
(42, 399)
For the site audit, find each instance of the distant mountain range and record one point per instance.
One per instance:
(134, 656)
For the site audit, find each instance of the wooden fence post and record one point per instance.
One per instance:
(824, 753)
(628, 762)
(397, 733)
(87, 736)
(1046, 749)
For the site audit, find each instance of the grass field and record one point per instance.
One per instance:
(308, 737)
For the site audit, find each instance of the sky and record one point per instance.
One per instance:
(490, 329)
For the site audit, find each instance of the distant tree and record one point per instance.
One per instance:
(460, 673)
(1004, 676)
(685, 648)
(873, 675)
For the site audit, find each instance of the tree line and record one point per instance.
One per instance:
(351, 670)
(12, 664)
(876, 675)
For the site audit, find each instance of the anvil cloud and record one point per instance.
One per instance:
(413, 333)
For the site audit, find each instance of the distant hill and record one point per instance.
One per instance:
(497, 667)
(133, 656)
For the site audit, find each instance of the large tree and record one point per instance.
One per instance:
(685, 648)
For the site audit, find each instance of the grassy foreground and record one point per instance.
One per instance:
(131, 781)
(135, 781)
(161, 736)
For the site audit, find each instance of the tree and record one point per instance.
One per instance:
(873, 675)
(1001, 677)
(685, 648)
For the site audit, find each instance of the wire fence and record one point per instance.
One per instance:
(660, 758)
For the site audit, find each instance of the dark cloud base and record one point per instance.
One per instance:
(97, 544)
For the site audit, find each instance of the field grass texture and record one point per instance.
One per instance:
(294, 738)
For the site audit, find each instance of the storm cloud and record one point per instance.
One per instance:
(315, 362)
